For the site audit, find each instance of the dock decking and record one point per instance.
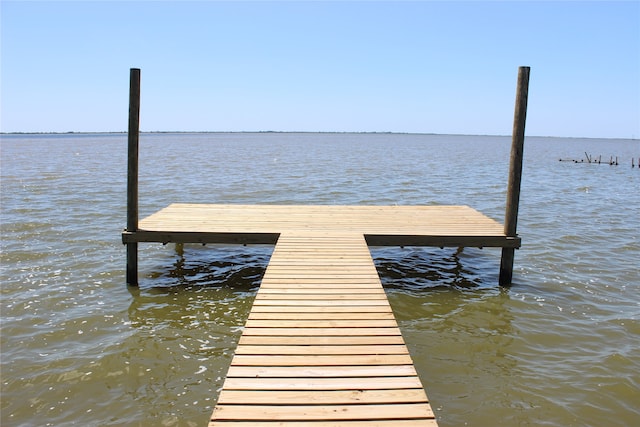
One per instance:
(321, 346)
(455, 226)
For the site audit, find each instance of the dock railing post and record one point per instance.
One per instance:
(515, 174)
(132, 174)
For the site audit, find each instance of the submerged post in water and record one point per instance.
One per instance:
(515, 174)
(132, 174)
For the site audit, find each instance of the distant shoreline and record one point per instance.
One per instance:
(232, 131)
(303, 132)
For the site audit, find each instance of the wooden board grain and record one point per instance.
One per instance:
(322, 347)
(263, 224)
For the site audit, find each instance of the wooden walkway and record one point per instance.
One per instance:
(321, 346)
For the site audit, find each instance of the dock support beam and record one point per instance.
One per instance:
(515, 174)
(132, 174)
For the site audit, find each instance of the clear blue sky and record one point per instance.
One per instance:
(421, 66)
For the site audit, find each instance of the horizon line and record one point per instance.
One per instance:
(632, 138)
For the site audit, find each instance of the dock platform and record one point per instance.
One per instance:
(321, 346)
(438, 225)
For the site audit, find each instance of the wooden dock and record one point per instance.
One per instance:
(321, 346)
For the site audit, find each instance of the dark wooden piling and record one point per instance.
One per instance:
(515, 174)
(132, 174)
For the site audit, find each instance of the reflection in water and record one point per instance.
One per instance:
(417, 269)
(240, 267)
(215, 283)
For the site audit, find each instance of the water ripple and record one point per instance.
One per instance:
(558, 348)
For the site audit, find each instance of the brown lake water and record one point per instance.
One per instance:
(561, 347)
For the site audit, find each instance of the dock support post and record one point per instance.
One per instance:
(132, 174)
(515, 174)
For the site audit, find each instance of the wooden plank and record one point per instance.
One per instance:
(279, 340)
(350, 423)
(241, 238)
(321, 309)
(323, 412)
(302, 282)
(295, 272)
(322, 397)
(321, 303)
(342, 323)
(321, 331)
(330, 277)
(320, 360)
(247, 349)
(320, 371)
(328, 287)
(323, 296)
(322, 383)
(463, 238)
(319, 316)
(333, 263)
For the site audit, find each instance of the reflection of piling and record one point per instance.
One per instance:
(132, 175)
(515, 174)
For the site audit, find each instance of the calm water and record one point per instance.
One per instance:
(559, 348)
